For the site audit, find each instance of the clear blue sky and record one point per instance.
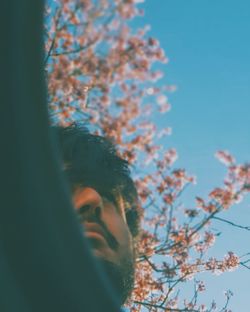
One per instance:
(208, 44)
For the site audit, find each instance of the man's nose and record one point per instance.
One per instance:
(88, 201)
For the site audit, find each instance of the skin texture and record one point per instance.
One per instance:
(104, 224)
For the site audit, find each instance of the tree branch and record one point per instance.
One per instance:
(232, 223)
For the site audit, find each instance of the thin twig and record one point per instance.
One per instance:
(232, 223)
(165, 308)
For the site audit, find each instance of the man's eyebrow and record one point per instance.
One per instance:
(109, 195)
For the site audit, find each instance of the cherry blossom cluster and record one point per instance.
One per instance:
(101, 71)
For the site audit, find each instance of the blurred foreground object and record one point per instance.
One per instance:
(45, 263)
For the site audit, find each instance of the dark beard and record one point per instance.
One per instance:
(121, 277)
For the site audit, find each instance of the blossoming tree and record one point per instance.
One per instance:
(101, 70)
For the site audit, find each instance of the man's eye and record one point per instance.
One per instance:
(132, 218)
(129, 214)
(83, 209)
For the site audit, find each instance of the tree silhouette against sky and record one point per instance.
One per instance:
(102, 71)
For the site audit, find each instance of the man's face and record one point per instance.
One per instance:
(106, 228)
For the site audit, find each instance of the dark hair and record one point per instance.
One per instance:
(92, 160)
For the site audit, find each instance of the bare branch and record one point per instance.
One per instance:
(232, 223)
(164, 308)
